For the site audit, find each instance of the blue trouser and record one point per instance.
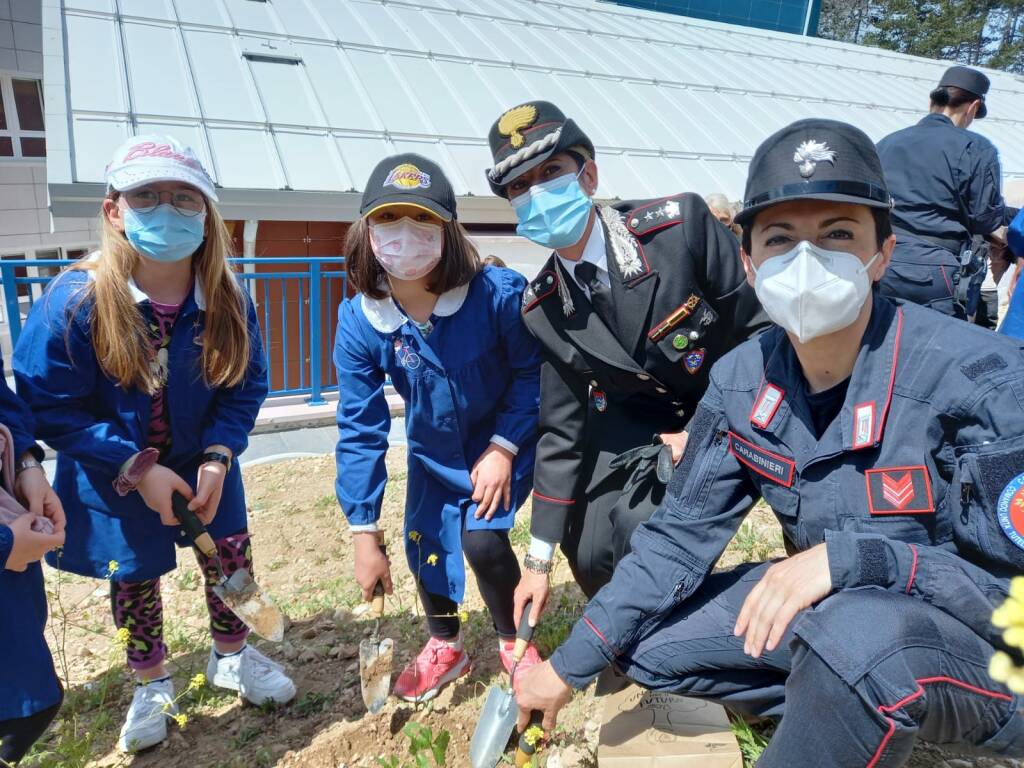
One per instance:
(858, 678)
(925, 274)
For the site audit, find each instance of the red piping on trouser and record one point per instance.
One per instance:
(913, 568)
(921, 682)
(552, 499)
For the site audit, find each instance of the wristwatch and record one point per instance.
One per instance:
(26, 464)
(536, 565)
(221, 458)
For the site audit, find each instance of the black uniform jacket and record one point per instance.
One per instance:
(681, 302)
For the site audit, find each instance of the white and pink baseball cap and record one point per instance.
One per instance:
(144, 159)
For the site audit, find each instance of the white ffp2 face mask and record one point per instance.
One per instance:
(407, 249)
(812, 292)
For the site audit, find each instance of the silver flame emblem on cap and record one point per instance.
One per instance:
(809, 154)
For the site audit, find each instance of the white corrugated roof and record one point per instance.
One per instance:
(671, 103)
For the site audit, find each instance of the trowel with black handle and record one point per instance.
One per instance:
(239, 592)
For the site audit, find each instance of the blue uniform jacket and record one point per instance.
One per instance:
(28, 683)
(917, 487)
(475, 377)
(95, 425)
(946, 181)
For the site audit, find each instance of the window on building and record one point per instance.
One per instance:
(21, 118)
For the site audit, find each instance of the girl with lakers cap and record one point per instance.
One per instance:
(449, 335)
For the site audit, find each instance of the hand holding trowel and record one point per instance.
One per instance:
(375, 655)
(500, 712)
(238, 592)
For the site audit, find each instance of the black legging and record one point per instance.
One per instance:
(491, 557)
(18, 735)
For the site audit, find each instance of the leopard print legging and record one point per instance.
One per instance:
(137, 606)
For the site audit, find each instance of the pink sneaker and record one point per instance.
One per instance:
(437, 665)
(530, 659)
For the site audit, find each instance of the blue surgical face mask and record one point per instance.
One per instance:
(163, 234)
(555, 213)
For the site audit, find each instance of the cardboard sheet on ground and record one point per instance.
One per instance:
(646, 729)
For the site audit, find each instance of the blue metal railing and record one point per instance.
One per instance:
(296, 302)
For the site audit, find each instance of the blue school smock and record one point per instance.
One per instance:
(28, 682)
(95, 425)
(1013, 323)
(475, 378)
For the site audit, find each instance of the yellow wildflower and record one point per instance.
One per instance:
(181, 720)
(112, 567)
(414, 536)
(1010, 618)
(533, 734)
(123, 637)
(197, 682)
(464, 616)
(432, 559)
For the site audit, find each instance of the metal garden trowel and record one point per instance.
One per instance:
(500, 712)
(375, 656)
(238, 592)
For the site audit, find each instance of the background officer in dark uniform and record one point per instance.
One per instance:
(946, 184)
(636, 303)
(888, 441)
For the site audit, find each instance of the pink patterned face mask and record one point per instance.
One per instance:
(407, 249)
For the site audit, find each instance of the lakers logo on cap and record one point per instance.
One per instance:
(515, 120)
(810, 153)
(407, 176)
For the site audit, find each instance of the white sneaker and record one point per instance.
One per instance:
(146, 723)
(253, 675)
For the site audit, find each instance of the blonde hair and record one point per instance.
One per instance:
(119, 328)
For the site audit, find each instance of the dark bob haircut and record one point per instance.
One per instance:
(459, 261)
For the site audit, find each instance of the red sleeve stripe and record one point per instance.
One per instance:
(552, 499)
(597, 632)
(913, 568)
(921, 682)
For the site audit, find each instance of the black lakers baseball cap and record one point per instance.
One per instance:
(818, 160)
(970, 80)
(525, 136)
(409, 179)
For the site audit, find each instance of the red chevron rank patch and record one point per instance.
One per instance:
(899, 491)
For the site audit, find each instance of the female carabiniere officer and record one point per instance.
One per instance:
(889, 442)
(450, 336)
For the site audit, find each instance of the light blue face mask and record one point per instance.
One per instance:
(163, 234)
(553, 214)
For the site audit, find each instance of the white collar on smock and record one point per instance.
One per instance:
(140, 296)
(385, 316)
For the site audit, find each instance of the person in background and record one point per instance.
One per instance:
(721, 208)
(888, 441)
(143, 365)
(945, 182)
(493, 261)
(30, 693)
(449, 334)
(1013, 322)
(636, 302)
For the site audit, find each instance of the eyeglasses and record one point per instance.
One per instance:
(184, 202)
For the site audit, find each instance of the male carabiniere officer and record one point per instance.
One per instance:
(888, 440)
(946, 185)
(635, 304)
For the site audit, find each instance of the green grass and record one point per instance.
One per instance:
(752, 738)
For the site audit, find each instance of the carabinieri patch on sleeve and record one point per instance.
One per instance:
(767, 464)
(1010, 510)
(899, 491)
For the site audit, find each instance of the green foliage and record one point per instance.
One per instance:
(752, 739)
(423, 745)
(974, 32)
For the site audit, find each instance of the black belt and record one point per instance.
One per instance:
(953, 246)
